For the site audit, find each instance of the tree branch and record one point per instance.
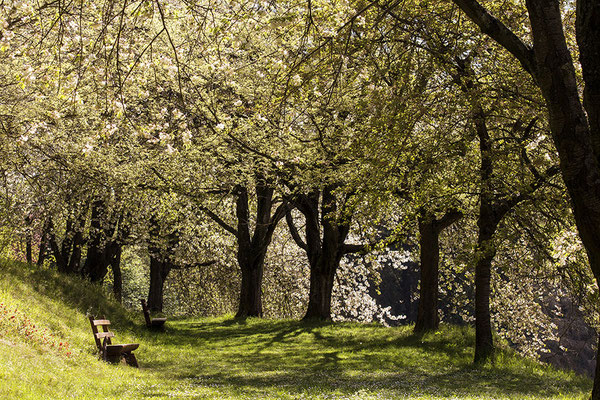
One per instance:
(495, 29)
(355, 248)
(187, 266)
(294, 230)
(448, 219)
(219, 221)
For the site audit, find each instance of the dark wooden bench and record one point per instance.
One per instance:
(108, 351)
(155, 323)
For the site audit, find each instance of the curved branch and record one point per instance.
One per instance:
(495, 29)
(294, 230)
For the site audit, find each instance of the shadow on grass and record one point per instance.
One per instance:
(298, 356)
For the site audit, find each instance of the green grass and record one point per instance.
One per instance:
(221, 358)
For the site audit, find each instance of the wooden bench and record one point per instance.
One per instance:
(108, 351)
(155, 323)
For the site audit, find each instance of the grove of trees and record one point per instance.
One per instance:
(276, 155)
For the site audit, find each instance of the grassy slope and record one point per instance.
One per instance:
(222, 358)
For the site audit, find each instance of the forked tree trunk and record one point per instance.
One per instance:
(96, 263)
(75, 260)
(324, 250)
(252, 247)
(43, 243)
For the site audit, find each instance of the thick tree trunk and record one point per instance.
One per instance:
(430, 229)
(322, 276)
(596, 389)
(159, 270)
(252, 249)
(58, 255)
(324, 251)
(96, 263)
(42, 252)
(427, 316)
(576, 138)
(75, 260)
(576, 134)
(250, 304)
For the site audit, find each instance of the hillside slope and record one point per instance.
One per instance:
(47, 351)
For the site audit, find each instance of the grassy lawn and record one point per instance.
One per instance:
(223, 358)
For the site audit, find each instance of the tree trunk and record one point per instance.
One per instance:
(596, 389)
(324, 251)
(43, 243)
(484, 340)
(575, 133)
(250, 304)
(75, 260)
(116, 270)
(159, 270)
(96, 264)
(427, 316)
(252, 249)
(322, 275)
(430, 229)
(28, 241)
(58, 256)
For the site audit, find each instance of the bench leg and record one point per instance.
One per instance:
(130, 359)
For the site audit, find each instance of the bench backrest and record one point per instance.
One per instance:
(146, 312)
(103, 334)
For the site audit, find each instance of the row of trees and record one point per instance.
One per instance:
(180, 126)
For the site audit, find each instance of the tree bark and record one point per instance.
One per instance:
(430, 229)
(484, 340)
(159, 270)
(324, 249)
(322, 275)
(575, 136)
(252, 248)
(28, 240)
(75, 259)
(250, 303)
(427, 314)
(43, 243)
(96, 262)
(115, 264)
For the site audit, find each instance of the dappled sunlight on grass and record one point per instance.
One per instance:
(226, 358)
(296, 358)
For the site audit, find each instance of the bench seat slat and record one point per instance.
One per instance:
(115, 349)
(102, 335)
(97, 322)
